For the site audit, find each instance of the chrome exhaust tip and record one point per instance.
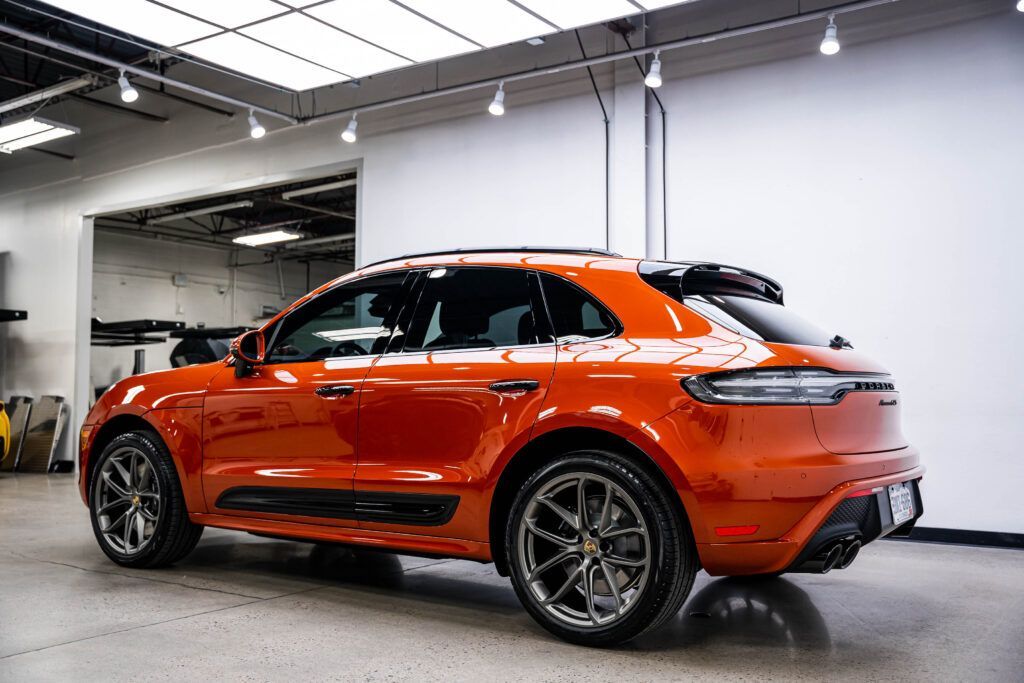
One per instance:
(850, 554)
(832, 558)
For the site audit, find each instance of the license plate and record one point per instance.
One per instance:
(901, 500)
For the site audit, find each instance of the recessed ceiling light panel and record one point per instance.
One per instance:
(228, 13)
(488, 22)
(266, 63)
(572, 13)
(140, 18)
(317, 42)
(392, 27)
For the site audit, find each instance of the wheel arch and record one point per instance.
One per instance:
(549, 446)
(108, 431)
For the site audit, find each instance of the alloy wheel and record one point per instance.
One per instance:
(127, 500)
(584, 550)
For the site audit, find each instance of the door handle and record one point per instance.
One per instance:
(335, 390)
(511, 386)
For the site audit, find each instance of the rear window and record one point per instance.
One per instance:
(741, 300)
(761, 320)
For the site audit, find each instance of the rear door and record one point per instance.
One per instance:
(461, 388)
(280, 442)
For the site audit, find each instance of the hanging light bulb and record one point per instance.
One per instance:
(653, 78)
(128, 93)
(349, 134)
(256, 131)
(830, 43)
(497, 105)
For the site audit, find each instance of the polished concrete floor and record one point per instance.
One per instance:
(247, 608)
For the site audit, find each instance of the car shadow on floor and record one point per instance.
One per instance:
(772, 613)
(769, 612)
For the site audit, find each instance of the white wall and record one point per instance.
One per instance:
(877, 185)
(882, 188)
(132, 280)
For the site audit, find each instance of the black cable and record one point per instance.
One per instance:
(607, 150)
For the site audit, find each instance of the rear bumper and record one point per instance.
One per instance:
(869, 519)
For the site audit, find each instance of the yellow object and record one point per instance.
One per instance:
(5, 432)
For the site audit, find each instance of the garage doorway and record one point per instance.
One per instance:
(172, 283)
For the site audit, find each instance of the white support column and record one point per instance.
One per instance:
(656, 180)
(79, 404)
(628, 163)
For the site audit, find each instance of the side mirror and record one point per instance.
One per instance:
(248, 350)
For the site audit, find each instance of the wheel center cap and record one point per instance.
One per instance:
(589, 547)
(136, 501)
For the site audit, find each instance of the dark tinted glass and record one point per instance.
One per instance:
(346, 321)
(758, 319)
(469, 308)
(575, 314)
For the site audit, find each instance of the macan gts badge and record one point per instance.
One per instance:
(598, 427)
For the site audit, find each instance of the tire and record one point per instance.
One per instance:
(136, 505)
(633, 569)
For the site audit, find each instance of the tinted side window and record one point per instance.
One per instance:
(575, 314)
(469, 308)
(346, 321)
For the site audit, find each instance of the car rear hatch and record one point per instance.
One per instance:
(854, 402)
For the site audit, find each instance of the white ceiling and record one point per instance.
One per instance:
(301, 45)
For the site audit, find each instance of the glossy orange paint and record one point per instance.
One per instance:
(428, 423)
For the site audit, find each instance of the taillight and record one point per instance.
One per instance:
(783, 386)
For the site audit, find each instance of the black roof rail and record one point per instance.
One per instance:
(496, 250)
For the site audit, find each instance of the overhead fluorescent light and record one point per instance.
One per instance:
(327, 46)
(488, 22)
(247, 56)
(32, 131)
(572, 13)
(263, 238)
(228, 13)
(46, 93)
(205, 211)
(392, 27)
(143, 19)
(318, 188)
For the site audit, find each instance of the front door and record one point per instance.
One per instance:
(280, 443)
(463, 386)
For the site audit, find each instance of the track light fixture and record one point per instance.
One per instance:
(830, 43)
(128, 93)
(497, 105)
(256, 131)
(653, 78)
(349, 134)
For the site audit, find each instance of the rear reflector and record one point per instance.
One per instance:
(737, 530)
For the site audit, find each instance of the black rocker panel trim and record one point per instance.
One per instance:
(412, 509)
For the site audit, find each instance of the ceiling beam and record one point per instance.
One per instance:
(47, 93)
(117, 108)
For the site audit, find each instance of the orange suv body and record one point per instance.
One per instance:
(405, 405)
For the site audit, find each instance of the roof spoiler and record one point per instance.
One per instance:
(691, 278)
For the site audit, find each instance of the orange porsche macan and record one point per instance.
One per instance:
(598, 427)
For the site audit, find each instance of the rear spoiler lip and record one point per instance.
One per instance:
(755, 284)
